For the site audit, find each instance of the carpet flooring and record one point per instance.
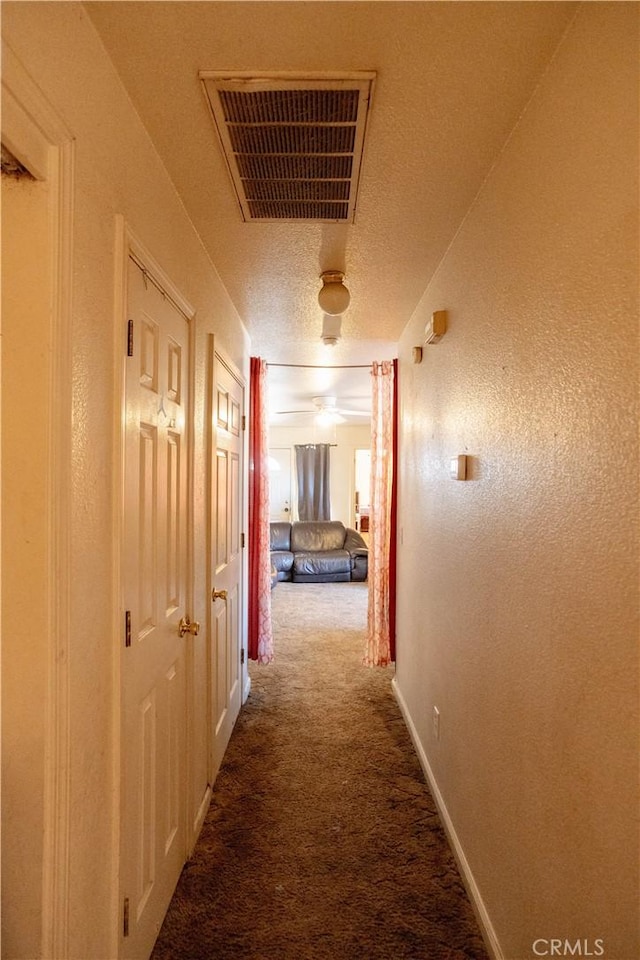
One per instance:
(322, 841)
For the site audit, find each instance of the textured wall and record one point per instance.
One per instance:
(518, 596)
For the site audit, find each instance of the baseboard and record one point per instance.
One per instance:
(247, 689)
(486, 927)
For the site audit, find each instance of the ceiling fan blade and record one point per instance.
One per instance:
(328, 410)
(282, 413)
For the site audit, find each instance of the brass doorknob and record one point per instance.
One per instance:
(218, 595)
(188, 626)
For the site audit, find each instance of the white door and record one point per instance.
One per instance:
(362, 480)
(226, 555)
(155, 583)
(280, 483)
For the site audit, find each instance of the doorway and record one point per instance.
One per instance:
(26, 519)
(362, 483)
(36, 573)
(280, 484)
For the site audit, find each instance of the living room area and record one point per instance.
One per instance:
(348, 440)
(335, 521)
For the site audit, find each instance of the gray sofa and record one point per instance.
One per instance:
(318, 551)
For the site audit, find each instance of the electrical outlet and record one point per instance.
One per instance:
(436, 723)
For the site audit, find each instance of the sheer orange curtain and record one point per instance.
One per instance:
(260, 634)
(382, 539)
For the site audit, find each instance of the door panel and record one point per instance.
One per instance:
(153, 845)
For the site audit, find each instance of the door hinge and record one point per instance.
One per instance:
(127, 628)
(242, 656)
(242, 541)
(244, 422)
(125, 918)
(130, 338)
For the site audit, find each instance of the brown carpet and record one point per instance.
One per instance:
(322, 841)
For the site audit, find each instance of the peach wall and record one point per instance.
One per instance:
(117, 173)
(518, 596)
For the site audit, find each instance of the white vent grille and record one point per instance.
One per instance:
(293, 146)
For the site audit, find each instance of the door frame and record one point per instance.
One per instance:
(39, 139)
(128, 244)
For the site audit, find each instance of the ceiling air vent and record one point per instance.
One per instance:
(293, 145)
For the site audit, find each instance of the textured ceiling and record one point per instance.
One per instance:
(452, 80)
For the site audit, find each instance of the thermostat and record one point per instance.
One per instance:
(458, 469)
(436, 327)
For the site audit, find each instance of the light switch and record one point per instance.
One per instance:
(458, 468)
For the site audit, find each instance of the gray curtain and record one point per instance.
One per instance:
(312, 466)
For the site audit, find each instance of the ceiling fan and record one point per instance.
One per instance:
(326, 411)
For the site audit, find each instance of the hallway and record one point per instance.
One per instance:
(499, 184)
(322, 840)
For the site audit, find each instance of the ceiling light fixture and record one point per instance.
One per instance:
(327, 414)
(333, 297)
(331, 327)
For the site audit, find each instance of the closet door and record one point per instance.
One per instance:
(153, 846)
(226, 554)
